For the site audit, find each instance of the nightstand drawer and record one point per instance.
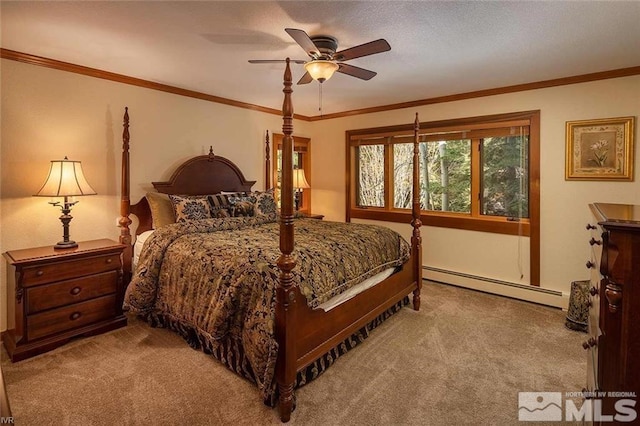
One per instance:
(71, 291)
(68, 317)
(70, 269)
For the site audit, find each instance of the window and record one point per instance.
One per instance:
(301, 160)
(371, 176)
(446, 175)
(505, 177)
(479, 173)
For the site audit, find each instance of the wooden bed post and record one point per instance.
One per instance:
(125, 202)
(416, 222)
(267, 165)
(285, 295)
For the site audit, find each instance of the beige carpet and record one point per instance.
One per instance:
(461, 360)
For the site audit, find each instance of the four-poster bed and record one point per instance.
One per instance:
(288, 329)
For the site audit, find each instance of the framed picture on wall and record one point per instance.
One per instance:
(600, 149)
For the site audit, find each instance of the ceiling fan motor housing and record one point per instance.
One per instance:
(327, 45)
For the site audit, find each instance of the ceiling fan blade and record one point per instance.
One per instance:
(305, 79)
(366, 49)
(273, 61)
(356, 71)
(304, 41)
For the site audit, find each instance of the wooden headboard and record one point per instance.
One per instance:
(200, 175)
(203, 175)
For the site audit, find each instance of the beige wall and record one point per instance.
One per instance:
(47, 114)
(564, 211)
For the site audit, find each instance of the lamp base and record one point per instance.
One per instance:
(296, 200)
(65, 245)
(66, 242)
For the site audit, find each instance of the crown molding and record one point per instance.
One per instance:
(120, 78)
(584, 78)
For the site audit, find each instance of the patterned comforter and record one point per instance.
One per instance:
(217, 278)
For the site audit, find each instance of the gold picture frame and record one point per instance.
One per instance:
(600, 149)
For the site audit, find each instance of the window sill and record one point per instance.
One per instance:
(452, 220)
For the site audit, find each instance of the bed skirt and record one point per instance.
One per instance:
(230, 353)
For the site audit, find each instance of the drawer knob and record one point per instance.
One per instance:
(74, 316)
(40, 273)
(74, 291)
(593, 241)
(589, 343)
(109, 260)
(593, 291)
(590, 227)
(590, 264)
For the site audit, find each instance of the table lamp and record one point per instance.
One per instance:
(67, 180)
(299, 183)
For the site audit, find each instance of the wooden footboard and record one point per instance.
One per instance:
(318, 331)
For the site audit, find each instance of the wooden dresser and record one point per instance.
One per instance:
(54, 295)
(613, 344)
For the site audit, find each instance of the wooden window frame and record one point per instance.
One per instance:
(302, 145)
(467, 221)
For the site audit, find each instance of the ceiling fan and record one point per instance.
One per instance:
(325, 60)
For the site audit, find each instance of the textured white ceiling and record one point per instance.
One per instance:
(437, 48)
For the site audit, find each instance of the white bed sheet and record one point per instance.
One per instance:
(356, 289)
(137, 247)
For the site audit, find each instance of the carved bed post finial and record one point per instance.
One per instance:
(285, 293)
(211, 154)
(416, 222)
(267, 165)
(125, 202)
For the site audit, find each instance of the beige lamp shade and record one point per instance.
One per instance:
(65, 179)
(321, 70)
(299, 180)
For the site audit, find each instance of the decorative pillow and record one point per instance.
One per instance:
(220, 212)
(265, 203)
(242, 206)
(161, 209)
(218, 200)
(187, 207)
(235, 193)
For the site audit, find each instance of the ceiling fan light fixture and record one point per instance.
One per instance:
(320, 69)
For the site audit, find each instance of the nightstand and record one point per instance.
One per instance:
(55, 295)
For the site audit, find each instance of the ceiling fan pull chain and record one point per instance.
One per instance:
(320, 98)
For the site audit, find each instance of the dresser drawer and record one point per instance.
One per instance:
(69, 317)
(592, 370)
(63, 293)
(59, 271)
(592, 341)
(614, 361)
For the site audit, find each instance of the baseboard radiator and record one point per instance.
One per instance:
(526, 292)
